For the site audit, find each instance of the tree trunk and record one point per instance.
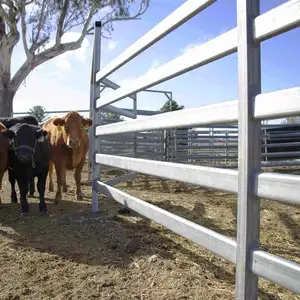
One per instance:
(6, 95)
(6, 92)
(6, 102)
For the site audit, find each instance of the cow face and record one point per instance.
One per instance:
(24, 139)
(73, 126)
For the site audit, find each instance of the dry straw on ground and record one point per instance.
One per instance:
(76, 255)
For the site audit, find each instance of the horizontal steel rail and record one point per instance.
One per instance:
(277, 269)
(125, 177)
(170, 23)
(234, 156)
(264, 264)
(127, 112)
(211, 240)
(212, 50)
(266, 106)
(113, 85)
(286, 186)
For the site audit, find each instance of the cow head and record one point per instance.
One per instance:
(73, 126)
(24, 139)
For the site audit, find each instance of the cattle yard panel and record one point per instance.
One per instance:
(218, 145)
(249, 182)
(215, 146)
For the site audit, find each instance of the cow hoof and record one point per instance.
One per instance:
(13, 199)
(24, 214)
(51, 189)
(44, 213)
(57, 199)
(79, 197)
(124, 211)
(65, 189)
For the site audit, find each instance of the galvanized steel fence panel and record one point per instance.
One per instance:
(249, 182)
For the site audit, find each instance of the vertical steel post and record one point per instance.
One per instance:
(265, 144)
(168, 133)
(90, 130)
(226, 146)
(135, 133)
(165, 145)
(189, 150)
(213, 145)
(134, 106)
(249, 149)
(95, 115)
(210, 146)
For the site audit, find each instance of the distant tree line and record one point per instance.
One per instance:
(291, 120)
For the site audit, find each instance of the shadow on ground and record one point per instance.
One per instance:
(73, 234)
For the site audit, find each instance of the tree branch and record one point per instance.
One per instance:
(85, 27)
(8, 39)
(143, 8)
(72, 22)
(60, 25)
(35, 39)
(5, 16)
(86, 14)
(24, 28)
(46, 55)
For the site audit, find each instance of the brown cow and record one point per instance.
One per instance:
(4, 144)
(69, 146)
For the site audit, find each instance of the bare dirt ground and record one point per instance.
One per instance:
(75, 255)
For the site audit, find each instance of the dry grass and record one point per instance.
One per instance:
(76, 255)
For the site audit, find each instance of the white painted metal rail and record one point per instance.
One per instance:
(249, 182)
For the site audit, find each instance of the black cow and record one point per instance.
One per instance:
(9, 122)
(28, 157)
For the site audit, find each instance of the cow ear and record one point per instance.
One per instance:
(59, 122)
(2, 127)
(87, 122)
(40, 134)
(9, 134)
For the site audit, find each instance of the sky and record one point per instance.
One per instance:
(63, 83)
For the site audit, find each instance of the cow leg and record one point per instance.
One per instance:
(77, 176)
(41, 185)
(23, 187)
(59, 168)
(65, 188)
(51, 169)
(31, 187)
(12, 181)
